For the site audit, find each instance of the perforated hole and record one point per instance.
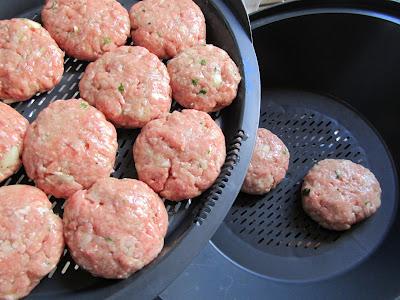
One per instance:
(276, 220)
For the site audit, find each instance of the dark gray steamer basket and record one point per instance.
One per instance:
(330, 77)
(192, 223)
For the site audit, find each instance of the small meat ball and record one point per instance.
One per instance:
(30, 60)
(166, 28)
(13, 127)
(268, 165)
(115, 228)
(180, 155)
(204, 78)
(86, 29)
(338, 193)
(31, 239)
(68, 147)
(129, 85)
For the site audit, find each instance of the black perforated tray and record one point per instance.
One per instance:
(329, 90)
(289, 245)
(191, 222)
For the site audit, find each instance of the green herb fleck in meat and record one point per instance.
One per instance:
(367, 203)
(106, 40)
(209, 151)
(159, 34)
(203, 92)
(108, 239)
(84, 105)
(203, 62)
(306, 192)
(195, 82)
(337, 174)
(121, 88)
(284, 151)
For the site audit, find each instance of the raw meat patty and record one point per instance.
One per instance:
(180, 155)
(69, 147)
(338, 193)
(167, 27)
(30, 60)
(31, 239)
(12, 131)
(116, 227)
(268, 165)
(129, 85)
(204, 78)
(86, 29)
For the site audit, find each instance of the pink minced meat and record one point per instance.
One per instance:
(268, 165)
(30, 60)
(338, 193)
(69, 147)
(86, 29)
(129, 85)
(116, 227)
(204, 78)
(180, 155)
(166, 27)
(13, 127)
(31, 239)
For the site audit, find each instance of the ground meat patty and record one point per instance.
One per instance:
(338, 193)
(129, 85)
(268, 165)
(116, 227)
(204, 78)
(86, 29)
(12, 131)
(31, 239)
(180, 155)
(69, 147)
(167, 27)
(30, 60)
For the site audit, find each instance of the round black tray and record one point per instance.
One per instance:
(191, 222)
(330, 89)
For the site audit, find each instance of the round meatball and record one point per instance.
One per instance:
(180, 155)
(116, 227)
(30, 60)
(338, 193)
(69, 147)
(86, 29)
(12, 131)
(129, 85)
(268, 165)
(31, 239)
(204, 78)
(167, 27)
